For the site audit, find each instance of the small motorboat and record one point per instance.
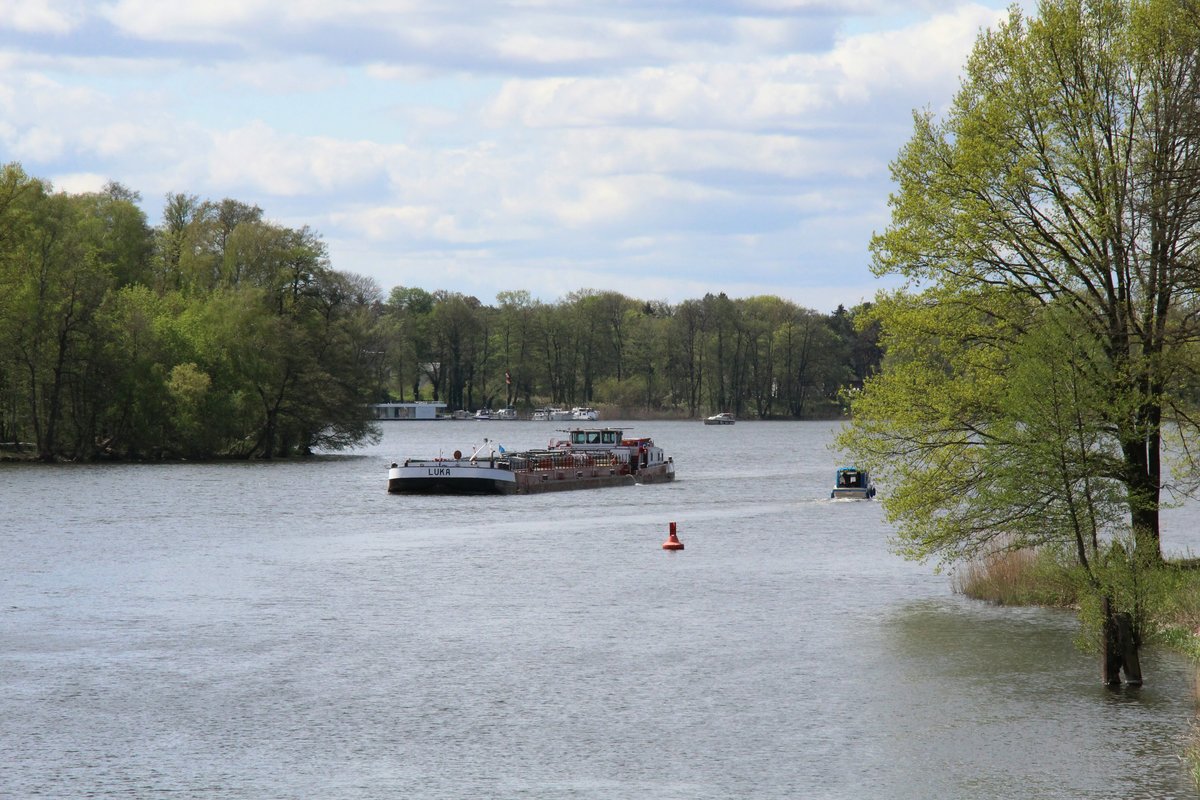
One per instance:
(851, 483)
(724, 418)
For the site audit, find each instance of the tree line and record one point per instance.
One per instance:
(760, 357)
(218, 333)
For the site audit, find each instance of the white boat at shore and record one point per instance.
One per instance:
(724, 418)
(584, 414)
(550, 414)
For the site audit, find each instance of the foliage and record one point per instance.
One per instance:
(217, 335)
(222, 334)
(758, 357)
(1059, 194)
(1133, 580)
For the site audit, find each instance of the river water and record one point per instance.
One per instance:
(290, 630)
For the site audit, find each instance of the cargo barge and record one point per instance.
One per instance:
(587, 459)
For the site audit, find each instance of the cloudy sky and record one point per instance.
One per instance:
(659, 148)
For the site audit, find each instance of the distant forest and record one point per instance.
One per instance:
(221, 334)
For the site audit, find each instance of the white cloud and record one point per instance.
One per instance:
(791, 91)
(929, 54)
(545, 145)
(79, 182)
(41, 16)
(261, 159)
(211, 20)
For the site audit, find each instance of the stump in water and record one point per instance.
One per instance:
(1120, 648)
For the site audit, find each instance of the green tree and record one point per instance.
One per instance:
(408, 352)
(456, 330)
(129, 387)
(997, 435)
(811, 364)
(556, 349)
(515, 333)
(1067, 172)
(647, 349)
(687, 363)
(993, 435)
(54, 281)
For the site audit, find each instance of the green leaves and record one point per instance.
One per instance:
(1051, 223)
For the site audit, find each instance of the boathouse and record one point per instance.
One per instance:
(422, 409)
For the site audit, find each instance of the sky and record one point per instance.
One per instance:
(663, 149)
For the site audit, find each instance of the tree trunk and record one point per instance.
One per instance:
(1120, 647)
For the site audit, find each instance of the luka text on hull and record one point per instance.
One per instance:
(586, 459)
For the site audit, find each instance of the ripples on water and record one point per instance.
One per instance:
(290, 630)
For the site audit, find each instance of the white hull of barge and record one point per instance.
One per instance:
(463, 477)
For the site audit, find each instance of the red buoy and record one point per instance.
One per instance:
(672, 542)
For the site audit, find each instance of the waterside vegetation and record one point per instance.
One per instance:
(220, 334)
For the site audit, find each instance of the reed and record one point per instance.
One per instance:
(1177, 616)
(1191, 753)
(1017, 578)
(1179, 622)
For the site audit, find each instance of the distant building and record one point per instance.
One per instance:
(418, 410)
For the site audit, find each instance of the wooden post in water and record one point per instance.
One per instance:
(1120, 646)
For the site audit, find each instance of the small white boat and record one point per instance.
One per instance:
(550, 414)
(483, 413)
(724, 418)
(851, 483)
(584, 414)
(508, 412)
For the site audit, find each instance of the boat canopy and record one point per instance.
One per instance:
(609, 437)
(852, 477)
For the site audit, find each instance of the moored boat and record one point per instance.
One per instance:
(584, 414)
(724, 418)
(550, 414)
(586, 459)
(851, 483)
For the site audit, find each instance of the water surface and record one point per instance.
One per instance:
(292, 631)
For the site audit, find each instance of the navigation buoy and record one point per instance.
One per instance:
(672, 542)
